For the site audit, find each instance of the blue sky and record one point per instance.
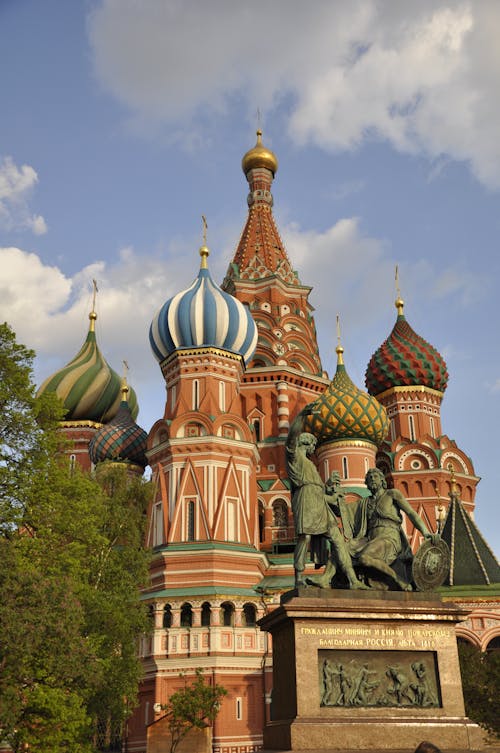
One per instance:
(123, 122)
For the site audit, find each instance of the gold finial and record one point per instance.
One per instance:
(339, 350)
(399, 303)
(204, 251)
(93, 315)
(453, 487)
(124, 387)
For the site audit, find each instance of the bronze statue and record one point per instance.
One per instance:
(377, 542)
(312, 514)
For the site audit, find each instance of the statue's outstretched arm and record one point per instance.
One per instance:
(415, 518)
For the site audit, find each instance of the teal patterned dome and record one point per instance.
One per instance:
(122, 440)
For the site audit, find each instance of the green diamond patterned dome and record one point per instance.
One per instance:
(120, 440)
(88, 387)
(405, 359)
(345, 412)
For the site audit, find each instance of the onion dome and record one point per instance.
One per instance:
(203, 316)
(259, 156)
(121, 440)
(345, 412)
(405, 359)
(87, 386)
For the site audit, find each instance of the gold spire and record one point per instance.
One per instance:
(124, 387)
(399, 303)
(259, 156)
(204, 250)
(339, 350)
(93, 315)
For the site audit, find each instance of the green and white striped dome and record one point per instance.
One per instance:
(88, 387)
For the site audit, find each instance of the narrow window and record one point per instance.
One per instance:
(249, 615)
(72, 462)
(345, 467)
(261, 522)
(173, 395)
(206, 614)
(186, 615)
(239, 709)
(196, 394)
(366, 465)
(411, 424)
(222, 396)
(191, 521)
(433, 428)
(256, 428)
(167, 616)
(393, 430)
(227, 614)
(158, 525)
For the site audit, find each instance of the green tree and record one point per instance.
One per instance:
(73, 560)
(194, 707)
(481, 685)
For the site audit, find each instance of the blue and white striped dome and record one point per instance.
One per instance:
(203, 315)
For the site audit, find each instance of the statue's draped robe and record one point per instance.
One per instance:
(311, 513)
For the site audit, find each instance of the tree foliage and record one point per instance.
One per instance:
(71, 547)
(481, 685)
(194, 707)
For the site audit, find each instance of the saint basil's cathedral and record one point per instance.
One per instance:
(239, 361)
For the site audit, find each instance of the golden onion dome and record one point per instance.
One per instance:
(259, 156)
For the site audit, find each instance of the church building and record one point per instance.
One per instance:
(239, 361)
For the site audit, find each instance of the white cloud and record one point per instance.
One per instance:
(16, 185)
(423, 76)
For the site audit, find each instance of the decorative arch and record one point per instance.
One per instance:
(449, 457)
(468, 636)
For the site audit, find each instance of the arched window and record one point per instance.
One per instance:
(227, 614)
(249, 615)
(256, 428)
(196, 394)
(345, 467)
(186, 615)
(167, 616)
(206, 614)
(280, 516)
(72, 463)
(367, 465)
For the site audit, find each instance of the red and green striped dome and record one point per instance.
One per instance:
(122, 440)
(88, 387)
(404, 360)
(345, 412)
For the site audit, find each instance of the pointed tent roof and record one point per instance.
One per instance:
(261, 252)
(472, 561)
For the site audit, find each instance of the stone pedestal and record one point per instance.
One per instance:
(366, 670)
